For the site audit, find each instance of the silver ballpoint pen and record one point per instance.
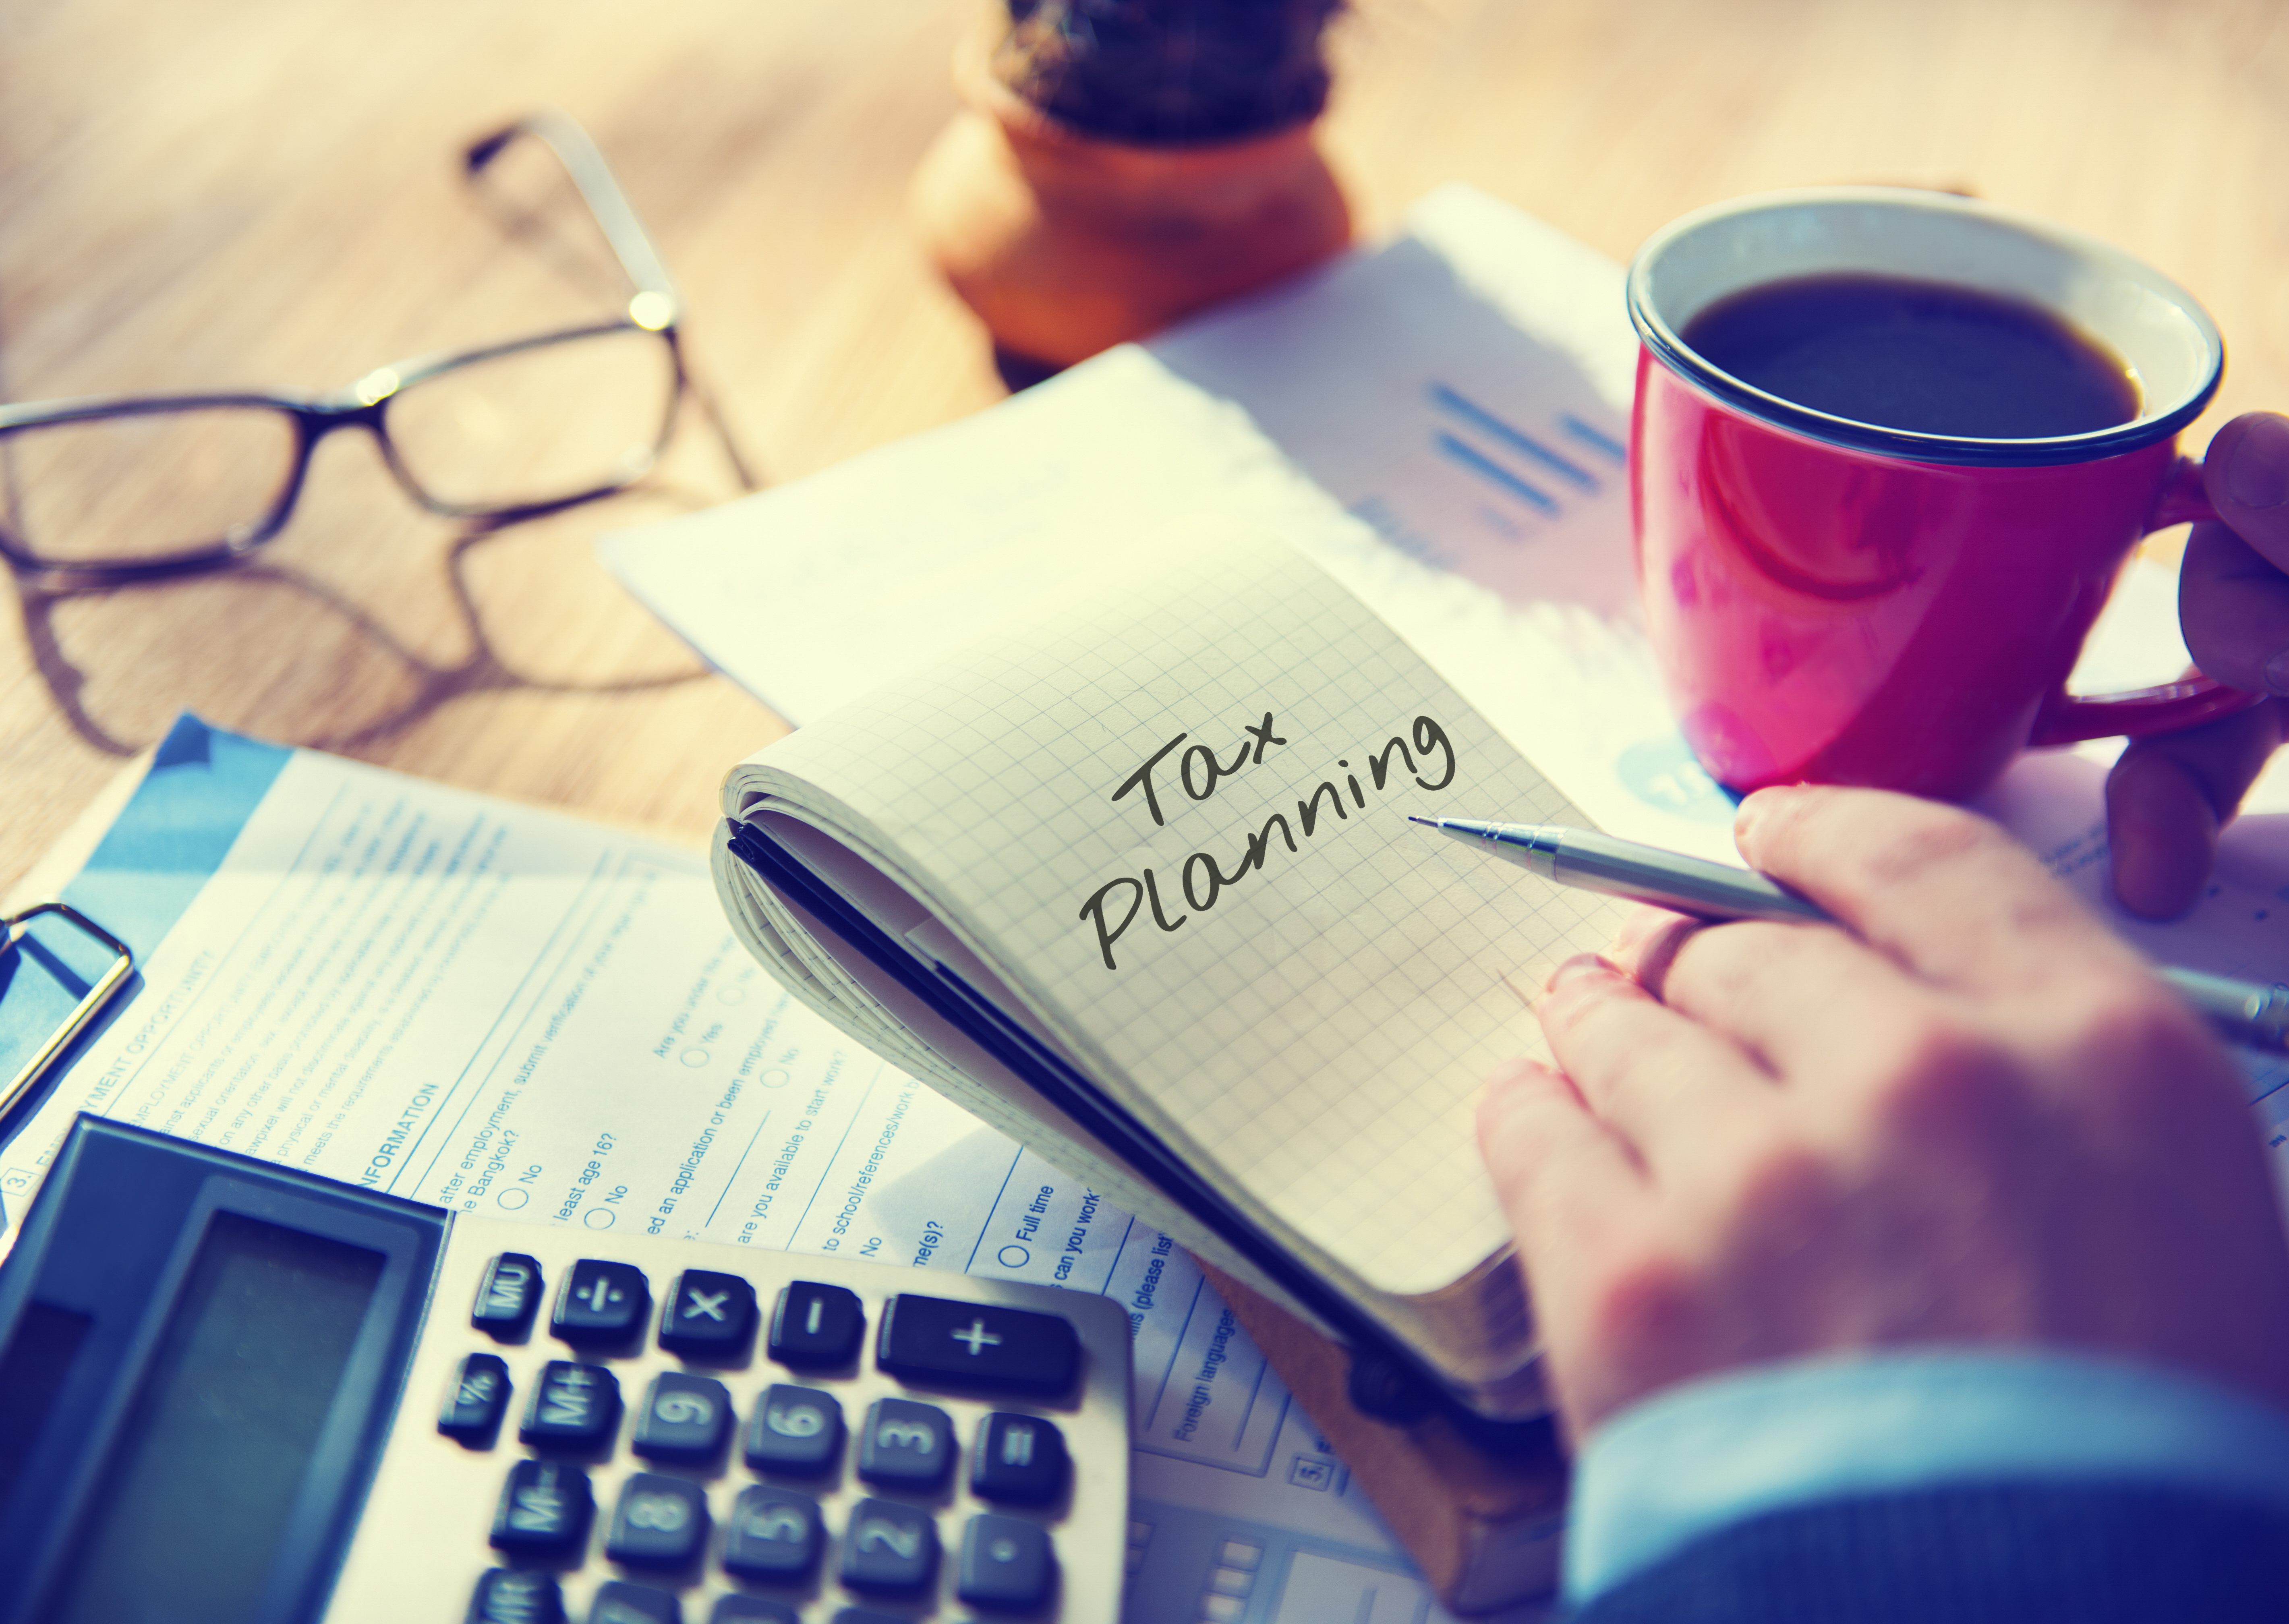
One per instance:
(2243, 1012)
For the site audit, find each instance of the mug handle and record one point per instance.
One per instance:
(2067, 718)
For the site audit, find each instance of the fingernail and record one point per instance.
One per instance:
(1576, 968)
(2277, 673)
(2258, 476)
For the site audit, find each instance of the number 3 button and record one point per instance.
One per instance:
(685, 1417)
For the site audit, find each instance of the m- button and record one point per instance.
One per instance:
(933, 1340)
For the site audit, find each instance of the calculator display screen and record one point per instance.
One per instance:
(188, 1520)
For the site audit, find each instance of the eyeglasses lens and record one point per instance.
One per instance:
(144, 487)
(537, 424)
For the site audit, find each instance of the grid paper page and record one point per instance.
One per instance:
(1313, 1023)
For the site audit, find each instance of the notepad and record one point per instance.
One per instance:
(1143, 861)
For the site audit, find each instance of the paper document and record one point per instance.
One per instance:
(497, 1009)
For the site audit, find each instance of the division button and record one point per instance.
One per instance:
(575, 1405)
(618, 1601)
(600, 1302)
(736, 1608)
(507, 1295)
(817, 1326)
(683, 1418)
(932, 1340)
(660, 1521)
(707, 1316)
(795, 1430)
(1006, 1561)
(475, 1399)
(888, 1547)
(774, 1533)
(544, 1509)
(1017, 1460)
(506, 1596)
(905, 1445)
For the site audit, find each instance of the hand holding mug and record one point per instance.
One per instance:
(1888, 452)
(2169, 795)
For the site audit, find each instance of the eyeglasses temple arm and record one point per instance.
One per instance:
(599, 189)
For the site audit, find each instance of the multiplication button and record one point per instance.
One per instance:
(600, 1302)
(794, 1429)
(933, 1340)
(707, 1316)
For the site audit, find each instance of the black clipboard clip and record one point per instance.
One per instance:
(91, 1003)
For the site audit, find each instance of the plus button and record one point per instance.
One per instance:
(977, 1336)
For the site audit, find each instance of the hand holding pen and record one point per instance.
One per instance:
(1972, 1115)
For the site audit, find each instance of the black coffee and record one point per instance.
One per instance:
(1917, 355)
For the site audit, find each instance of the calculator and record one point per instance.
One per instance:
(239, 1392)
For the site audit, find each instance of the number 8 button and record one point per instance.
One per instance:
(685, 1417)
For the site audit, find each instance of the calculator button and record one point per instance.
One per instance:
(618, 1601)
(660, 1522)
(737, 1609)
(929, 1339)
(1017, 1460)
(600, 1302)
(905, 1445)
(545, 1507)
(707, 1316)
(508, 1596)
(888, 1547)
(507, 1295)
(774, 1533)
(1005, 1563)
(573, 1404)
(475, 1399)
(683, 1418)
(817, 1325)
(794, 1429)
(863, 1615)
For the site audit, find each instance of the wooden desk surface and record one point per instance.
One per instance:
(266, 193)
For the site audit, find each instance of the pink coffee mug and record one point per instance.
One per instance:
(1837, 601)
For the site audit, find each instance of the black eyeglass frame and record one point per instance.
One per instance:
(655, 307)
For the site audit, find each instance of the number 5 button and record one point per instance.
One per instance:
(685, 1417)
(774, 1534)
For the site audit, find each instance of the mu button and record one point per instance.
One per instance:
(932, 1340)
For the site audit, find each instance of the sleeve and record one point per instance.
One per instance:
(1934, 1483)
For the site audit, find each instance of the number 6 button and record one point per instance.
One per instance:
(685, 1417)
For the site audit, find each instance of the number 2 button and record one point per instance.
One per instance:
(685, 1417)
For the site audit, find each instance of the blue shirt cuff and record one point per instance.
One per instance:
(1705, 1454)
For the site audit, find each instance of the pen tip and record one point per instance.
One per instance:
(1426, 822)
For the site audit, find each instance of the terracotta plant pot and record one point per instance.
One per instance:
(1065, 244)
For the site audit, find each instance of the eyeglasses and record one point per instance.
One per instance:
(127, 486)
